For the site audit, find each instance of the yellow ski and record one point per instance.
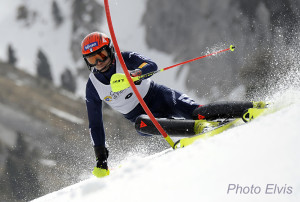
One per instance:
(189, 140)
(251, 114)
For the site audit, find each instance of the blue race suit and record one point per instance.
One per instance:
(161, 100)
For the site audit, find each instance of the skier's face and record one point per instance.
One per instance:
(101, 61)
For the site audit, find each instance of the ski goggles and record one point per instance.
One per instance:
(98, 57)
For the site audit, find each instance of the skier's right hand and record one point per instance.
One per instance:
(135, 73)
(101, 169)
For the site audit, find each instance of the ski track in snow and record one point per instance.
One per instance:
(263, 154)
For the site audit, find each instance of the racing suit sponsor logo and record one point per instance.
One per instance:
(138, 55)
(113, 96)
(186, 99)
(128, 96)
(108, 98)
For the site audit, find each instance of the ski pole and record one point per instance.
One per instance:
(119, 81)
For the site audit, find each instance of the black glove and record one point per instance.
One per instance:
(135, 73)
(101, 153)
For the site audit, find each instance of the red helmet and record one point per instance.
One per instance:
(93, 44)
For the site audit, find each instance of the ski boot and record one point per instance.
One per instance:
(253, 113)
(204, 126)
(260, 104)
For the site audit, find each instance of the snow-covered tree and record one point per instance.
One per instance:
(56, 13)
(68, 81)
(11, 55)
(43, 67)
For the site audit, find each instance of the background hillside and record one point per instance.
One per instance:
(44, 141)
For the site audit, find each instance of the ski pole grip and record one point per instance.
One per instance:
(232, 47)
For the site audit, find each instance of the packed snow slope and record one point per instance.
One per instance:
(258, 161)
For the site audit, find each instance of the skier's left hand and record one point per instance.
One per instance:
(100, 172)
(101, 169)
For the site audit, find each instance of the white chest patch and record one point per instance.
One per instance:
(123, 101)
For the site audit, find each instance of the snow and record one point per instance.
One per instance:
(263, 154)
(65, 115)
(38, 33)
(7, 136)
(41, 33)
(47, 162)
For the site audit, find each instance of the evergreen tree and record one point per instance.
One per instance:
(68, 81)
(22, 13)
(11, 55)
(58, 19)
(43, 67)
(22, 175)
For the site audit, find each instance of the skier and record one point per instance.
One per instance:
(99, 55)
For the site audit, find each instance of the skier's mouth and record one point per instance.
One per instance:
(102, 67)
